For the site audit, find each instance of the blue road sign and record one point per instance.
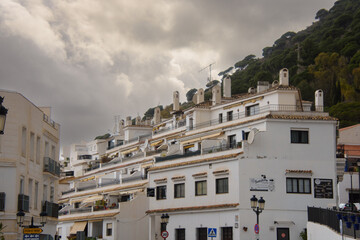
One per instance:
(211, 232)
(31, 237)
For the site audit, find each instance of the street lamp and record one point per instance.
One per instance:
(257, 206)
(20, 215)
(3, 112)
(164, 221)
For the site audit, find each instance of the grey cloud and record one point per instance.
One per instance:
(98, 59)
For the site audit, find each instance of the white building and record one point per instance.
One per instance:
(29, 167)
(265, 143)
(202, 166)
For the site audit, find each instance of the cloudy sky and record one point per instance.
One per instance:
(91, 60)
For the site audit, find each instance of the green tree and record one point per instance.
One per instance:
(190, 94)
(347, 112)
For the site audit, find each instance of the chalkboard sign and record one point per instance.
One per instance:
(323, 188)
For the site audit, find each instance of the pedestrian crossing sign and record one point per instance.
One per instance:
(211, 232)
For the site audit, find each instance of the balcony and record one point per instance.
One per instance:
(88, 209)
(51, 209)
(23, 202)
(51, 166)
(177, 156)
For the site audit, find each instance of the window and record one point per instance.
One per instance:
(201, 234)
(45, 192)
(32, 146)
(23, 142)
(53, 152)
(21, 190)
(252, 110)
(200, 188)
(38, 150)
(52, 193)
(2, 201)
(232, 141)
(47, 150)
(36, 195)
(226, 233)
(230, 116)
(30, 187)
(220, 118)
(299, 136)
(108, 229)
(298, 185)
(160, 192)
(180, 234)
(179, 190)
(222, 185)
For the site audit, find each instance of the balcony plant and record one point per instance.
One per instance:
(1, 233)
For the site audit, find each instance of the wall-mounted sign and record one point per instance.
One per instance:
(262, 184)
(323, 188)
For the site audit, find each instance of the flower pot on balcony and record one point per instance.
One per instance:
(348, 224)
(339, 216)
(356, 226)
(353, 218)
(345, 217)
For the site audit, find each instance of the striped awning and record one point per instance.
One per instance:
(130, 150)
(93, 199)
(78, 227)
(202, 138)
(87, 179)
(157, 143)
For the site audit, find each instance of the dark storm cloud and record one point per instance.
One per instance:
(91, 60)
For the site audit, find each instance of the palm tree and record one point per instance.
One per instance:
(1, 233)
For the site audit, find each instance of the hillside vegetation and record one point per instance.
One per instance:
(324, 56)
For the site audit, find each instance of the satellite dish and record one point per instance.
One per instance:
(251, 136)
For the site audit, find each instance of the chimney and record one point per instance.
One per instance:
(138, 120)
(319, 100)
(200, 95)
(284, 77)
(176, 106)
(128, 121)
(227, 87)
(121, 126)
(262, 86)
(216, 95)
(156, 115)
(195, 98)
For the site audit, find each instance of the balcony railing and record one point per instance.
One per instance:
(331, 218)
(95, 208)
(222, 147)
(52, 209)
(51, 166)
(176, 156)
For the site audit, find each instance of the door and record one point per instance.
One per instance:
(283, 234)
(226, 233)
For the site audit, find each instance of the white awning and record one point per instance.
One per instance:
(202, 138)
(78, 227)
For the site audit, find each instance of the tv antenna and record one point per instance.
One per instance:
(208, 66)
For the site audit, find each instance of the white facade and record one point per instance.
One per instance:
(29, 165)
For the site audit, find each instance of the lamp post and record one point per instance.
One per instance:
(164, 221)
(20, 215)
(257, 206)
(3, 112)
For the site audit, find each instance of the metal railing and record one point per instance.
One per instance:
(51, 166)
(331, 218)
(222, 147)
(176, 156)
